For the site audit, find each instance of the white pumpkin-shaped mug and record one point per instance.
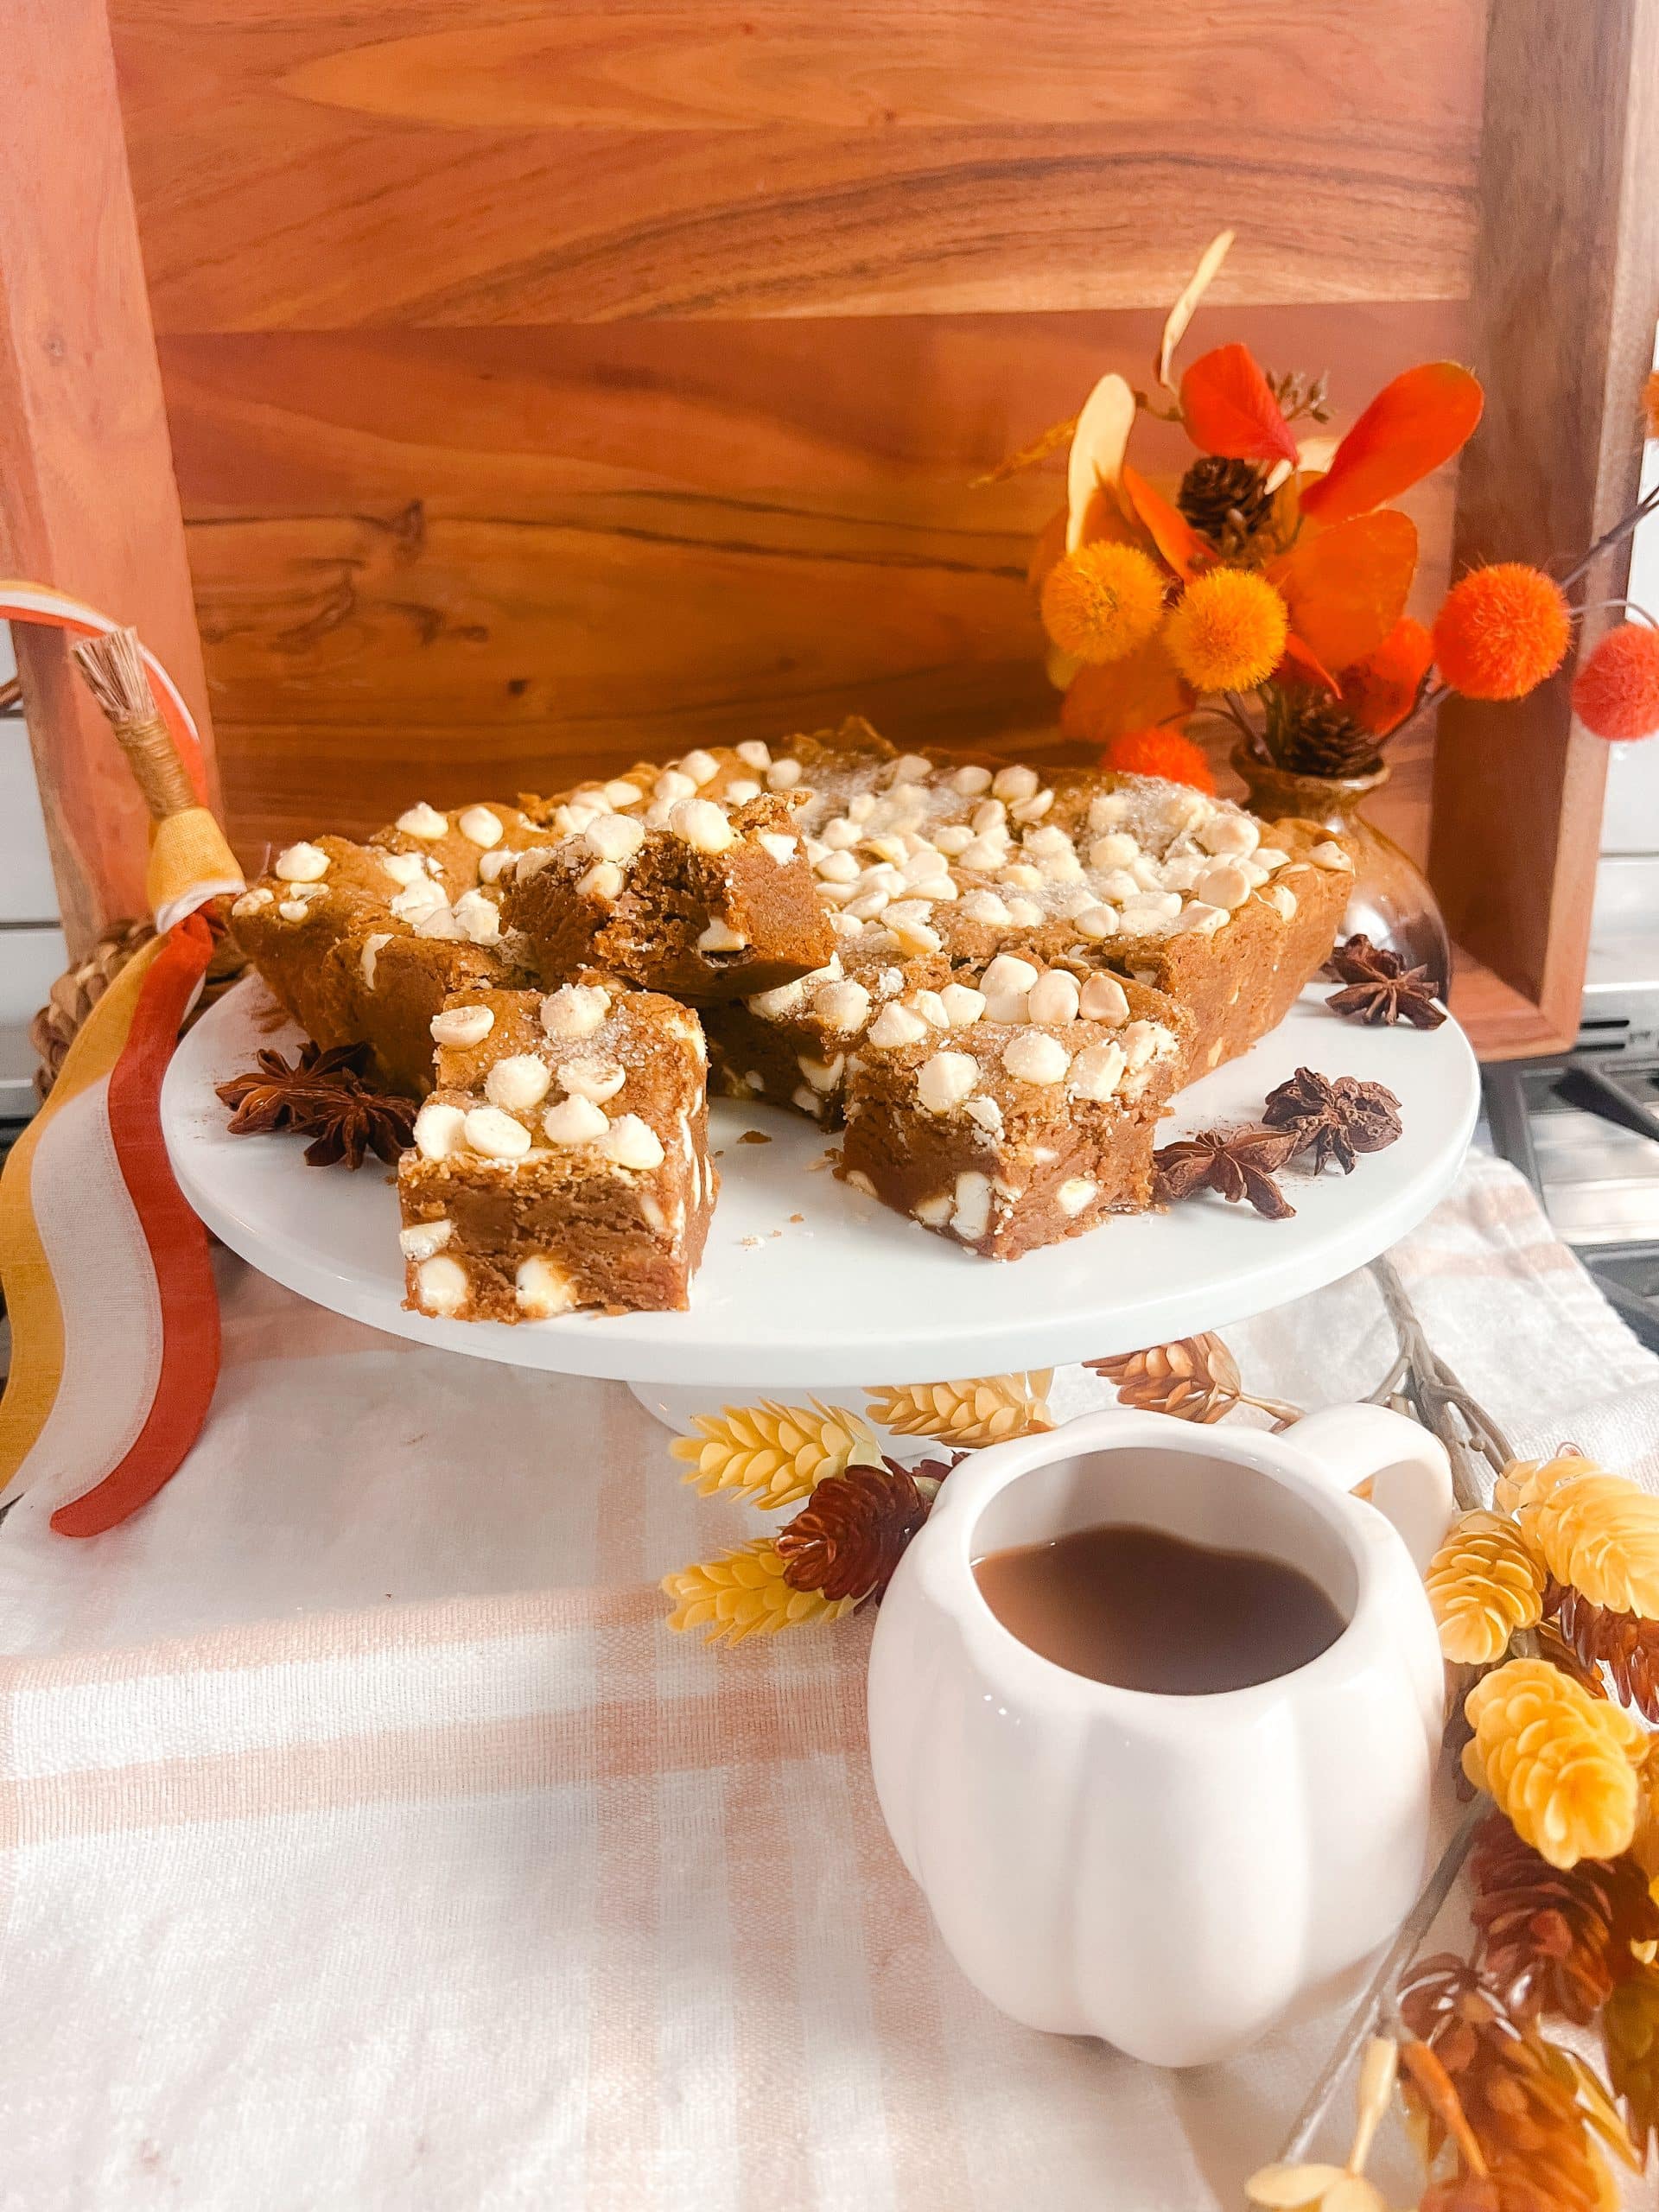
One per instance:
(1176, 1874)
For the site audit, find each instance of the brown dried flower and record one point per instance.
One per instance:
(1557, 1940)
(1626, 1645)
(323, 1095)
(852, 1532)
(1195, 1379)
(1335, 1118)
(1240, 1163)
(1380, 988)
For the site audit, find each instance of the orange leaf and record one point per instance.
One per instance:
(1133, 693)
(1300, 662)
(1346, 587)
(1228, 408)
(1382, 690)
(1412, 426)
(1168, 528)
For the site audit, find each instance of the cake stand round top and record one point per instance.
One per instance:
(806, 1283)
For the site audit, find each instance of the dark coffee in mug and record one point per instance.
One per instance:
(1146, 1611)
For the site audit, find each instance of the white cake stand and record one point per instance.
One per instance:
(808, 1287)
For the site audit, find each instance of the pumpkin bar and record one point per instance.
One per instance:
(562, 1159)
(1029, 1121)
(686, 895)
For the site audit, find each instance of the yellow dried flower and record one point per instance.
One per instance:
(1228, 631)
(774, 1455)
(1484, 1585)
(743, 1594)
(1523, 1482)
(1559, 1764)
(1601, 1534)
(985, 1410)
(1103, 601)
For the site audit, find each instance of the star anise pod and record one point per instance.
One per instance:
(323, 1095)
(1380, 988)
(1626, 1645)
(1558, 1941)
(1236, 1164)
(1334, 1118)
(850, 1535)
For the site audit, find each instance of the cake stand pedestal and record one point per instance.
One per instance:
(808, 1287)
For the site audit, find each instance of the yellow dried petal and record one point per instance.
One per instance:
(1559, 1764)
(1484, 1584)
(1600, 1533)
(983, 1409)
(1523, 1482)
(770, 1454)
(743, 1593)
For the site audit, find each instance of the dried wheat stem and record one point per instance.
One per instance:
(116, 675)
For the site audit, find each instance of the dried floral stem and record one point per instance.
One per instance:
(1622, 529)
(1378, 1999)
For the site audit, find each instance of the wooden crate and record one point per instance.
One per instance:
(503, 391)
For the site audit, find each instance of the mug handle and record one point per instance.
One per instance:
(1409, 1472)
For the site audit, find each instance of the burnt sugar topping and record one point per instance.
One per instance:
(991, 975)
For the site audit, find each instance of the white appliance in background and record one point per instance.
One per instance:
(32, 951)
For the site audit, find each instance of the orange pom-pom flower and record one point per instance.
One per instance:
(1228, 631)
(1502, 631)
(1163, 753)
(1382, 690)
(1616, 694)
(1101, 601)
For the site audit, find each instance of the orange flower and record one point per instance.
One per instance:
(1101, 601)
(1502, 631)
(1382, 690)
(1617, 693)
(1228, 631)
(1163, 753)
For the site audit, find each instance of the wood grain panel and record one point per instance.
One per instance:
(310, 167)
(512, 557)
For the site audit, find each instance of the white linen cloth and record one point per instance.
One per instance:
(368, 1842)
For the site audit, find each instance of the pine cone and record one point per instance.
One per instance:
(1312, 734)
(1562, 1765)
(1630, 2037)
(985, 1410)
(1484, 1585)
(852, 1533)
(770, 1454)
(1226, 501)
(1601, 1534)
(1195, 1378)
(1626, 1647)
(743, 1593)
(1557, 1939)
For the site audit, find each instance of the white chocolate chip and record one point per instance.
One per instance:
(963, 1005)
(1006, 976)
(480, 825)
(972, 1214)
(741, 790)
(1096, 923)
(421, 897)
(720, 937)
(895, 1026)
(753, 753)
(807, 1099)
(1097, 1072)
(774, 1005)
(984, 907)
(911, 768)
(423, 821)
(1282, 898)
(701, 767)
(576, 1009)
(1104, 999)
(575, 1120)
(1016, 783)
(971, 781)
(1022, 875)
(541, 1288)
(702, 826)
(915, 937)
(441, 1285)
(1032, 809)
(518, 1082)
(437, 1128)
(783, 775)
(823, 1075)
(1115, 849)
(1075, 1194)
(603, 881)
(252, 901)
(613, 837)
(1032, 1057)
(1054, 997)
(1229, 833)
(368, 959)
(598, 1079)
(293, 910)
(633, 1143)
(493, 865)
(620, 792)
(422, 1238)
(479, 918)
(954, 839)
(945, 1080)
(842, 1006)
(837, 868)
(782, 846)
(1199, 919)
(494, 1134)
(1331, 854)
(934, 1212)
(302, 863)
(1270, 857)
(1226, 884)
(984, 855)
(1143, 1041)
(932, 1009)
(672, 785)
(438, 922)
(462, 1024)
(986, 1112)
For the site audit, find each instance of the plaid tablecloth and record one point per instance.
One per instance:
(369, 1842)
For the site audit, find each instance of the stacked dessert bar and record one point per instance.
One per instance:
(991, 980)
